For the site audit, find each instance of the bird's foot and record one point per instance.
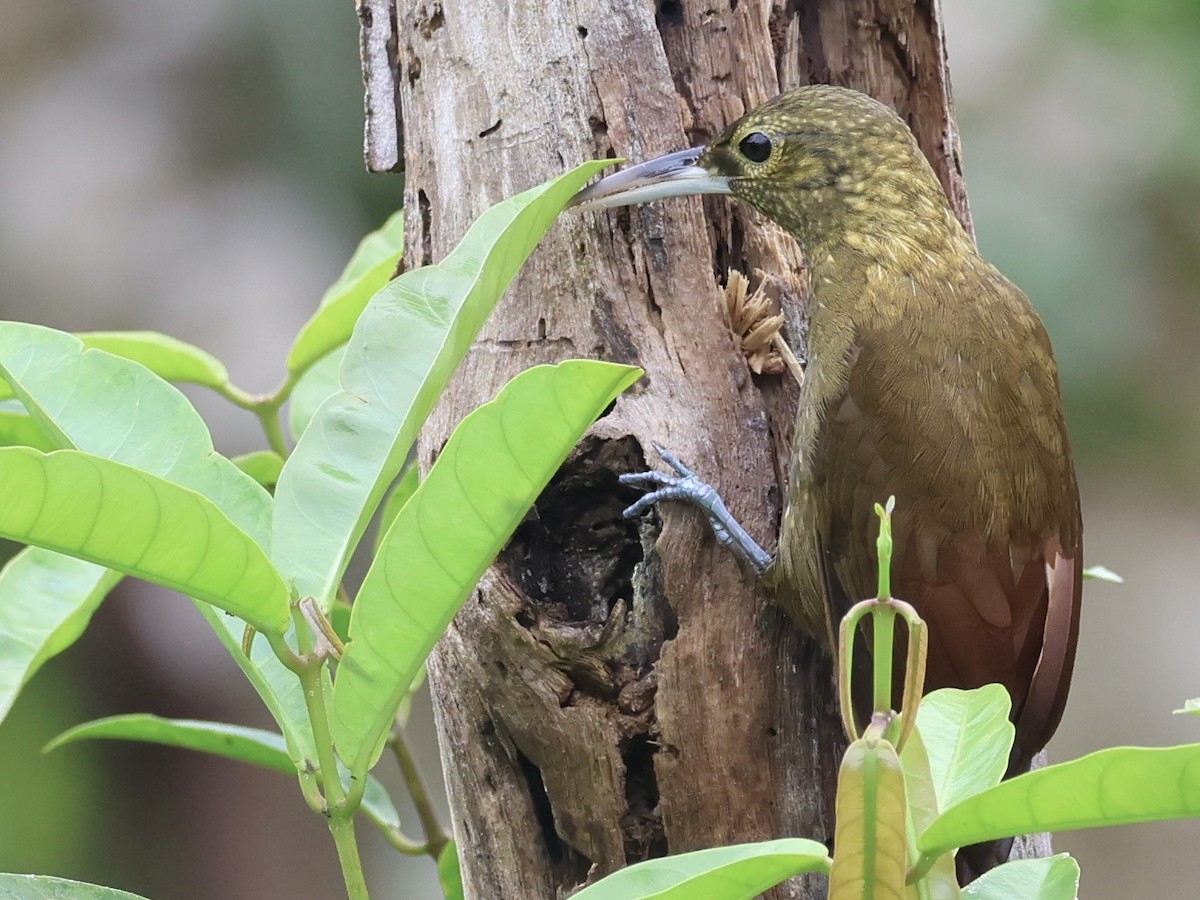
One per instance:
(686, 486)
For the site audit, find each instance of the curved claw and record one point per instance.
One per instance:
(685, 486)
(690, 488)
(643, 503)
(673, 461)
(647, 477)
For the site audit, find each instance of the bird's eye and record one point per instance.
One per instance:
(756, 147)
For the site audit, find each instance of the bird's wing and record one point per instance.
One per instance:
(999, 592)
(1043, 707)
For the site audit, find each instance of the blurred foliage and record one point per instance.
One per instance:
(68, 791)
(1118, 19)
(1084, 180)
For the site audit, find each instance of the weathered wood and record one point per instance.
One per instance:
(616, 690)
(383, 138)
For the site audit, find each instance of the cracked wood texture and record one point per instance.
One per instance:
(617, 690)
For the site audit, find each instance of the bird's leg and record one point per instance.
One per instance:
(686, 486)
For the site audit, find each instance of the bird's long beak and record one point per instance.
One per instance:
(673, 175)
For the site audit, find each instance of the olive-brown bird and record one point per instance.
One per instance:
(929, 377)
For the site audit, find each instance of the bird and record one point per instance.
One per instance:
(929, 377)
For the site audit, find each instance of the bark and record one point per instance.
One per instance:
(617, 690)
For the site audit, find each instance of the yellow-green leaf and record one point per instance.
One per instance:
(968, 736)
(941, 881)
(494, 466)
(1190, 708)
(404, 348)
(46, 887)
(869, 843)
(369, 269)
(1118, 786)
(137, 523)
(262, 465)
(167, 357)
(737, 872)
(1053, 878)
(249, 745)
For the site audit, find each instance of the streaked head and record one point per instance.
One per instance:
(815, 159)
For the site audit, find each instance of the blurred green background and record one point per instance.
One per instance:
(196, 169)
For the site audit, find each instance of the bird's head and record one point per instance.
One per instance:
(822, 161)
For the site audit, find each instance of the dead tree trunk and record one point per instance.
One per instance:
(617, 690)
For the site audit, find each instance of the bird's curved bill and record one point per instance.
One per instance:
(673, 175)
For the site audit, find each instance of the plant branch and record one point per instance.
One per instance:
(273, 429)
(266, 407)
(403, 843)
(332, 800)
(883, 626)
(338, 810)
(342, 829)
(435, 835)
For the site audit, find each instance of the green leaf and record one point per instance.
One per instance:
(166, 357)
(44, 887)
(405, 346)
(1118, 786)
(278, 687)
(405, 710)
(1190, 707)
(137, 523)
(369, 269)
(739, 872)
(46, 602)
(487, 476)
(17, 428)
(449, 872)
(870, 852)
(117, 408)
(941, 881)
(402, 491)
(1053, 878)
(319, 382)
(262, 465)
(377, 803)
(1102, 573)
(112, 407)
(248, 745)
(339, 619)
(968, 737)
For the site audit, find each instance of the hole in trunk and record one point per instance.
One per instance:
(574, 554)
(643, 827)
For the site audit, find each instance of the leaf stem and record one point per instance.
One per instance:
(342, 829)
(268, 416)
(403, 843)
(237, 396)
(332, 800)
(883, 626)
(883, 615)
(435, 835)
(283, 652)
(311, 789)
(914, 676)
(338, 810)
(266, 407)
(920, 868)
